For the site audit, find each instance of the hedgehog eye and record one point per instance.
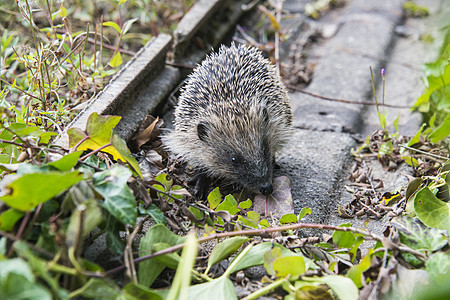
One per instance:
(235, 160)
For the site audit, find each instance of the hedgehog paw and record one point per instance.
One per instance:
(201, 184)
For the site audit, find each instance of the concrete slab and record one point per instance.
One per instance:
(124, 87)
(342, 70)
(315, 162)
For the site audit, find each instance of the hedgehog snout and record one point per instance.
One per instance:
(266, 189)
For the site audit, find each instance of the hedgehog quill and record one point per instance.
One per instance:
(232, 117)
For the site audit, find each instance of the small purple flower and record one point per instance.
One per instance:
(383, 72)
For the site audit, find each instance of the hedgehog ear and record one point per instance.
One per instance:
(203, 130)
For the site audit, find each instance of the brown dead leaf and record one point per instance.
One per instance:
(151, 165)
(148, 131)
(279, 202)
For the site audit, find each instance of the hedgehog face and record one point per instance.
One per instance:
(242, 154)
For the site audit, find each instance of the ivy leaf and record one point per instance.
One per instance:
(169, 260)
(136, 291)
(97, 288)
(355, 272)
(279, 202)
(154, 212)
(67, 162)
(343, 287)
(289, 265)
(229, 204)
(86, 216)
(8, 219)
(99, 132)
(29, 190)
(121, 147)
(438, 266)
(245, 204)
(217, 289)
(255, 256)
(344, 239)
(419, 237)
(151, 268)
(214, 198)
(17, 282)
(224, 249)
(304, 212)
(288, 218)
(431, 211)
(119, 200)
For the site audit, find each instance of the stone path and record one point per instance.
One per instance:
(319, 159)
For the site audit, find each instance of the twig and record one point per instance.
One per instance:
(12, 237)
(264, 232)
(299, 90)
(423, 152)
(369, 178)
(95, 151)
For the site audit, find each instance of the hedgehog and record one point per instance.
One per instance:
(233, 116)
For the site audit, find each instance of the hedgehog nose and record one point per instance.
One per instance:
(266, 189)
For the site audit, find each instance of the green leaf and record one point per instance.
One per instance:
(395, 123)
(86, 216)
(127, 25)
(245, 204)
(224, 249)
(217, 289)
(214, 198)
(431, 211)
(343, 287)
(418, 237)
(67, 162)
(121, 147)
(154, 212)
(438, 266)
(16, 287)
(8, 219)
(99, 132)
(355, 272)
(17, 266)
(416, 137)
(441, 132)
(229, 204)
(255, 256)
(40, 268)
(289, 265)
(116, 61)
(198, 214)
(182, 280)
(97, 288)
(269, 258)
(17, 282)
(135, 291)
(165, 181)
(119, 201)
(411, 161)
(151, 268)
(169, 260)
(304, 212)
(113, 25)
(288, 218)
(29, 190)
(45, 137)
(344, 239)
